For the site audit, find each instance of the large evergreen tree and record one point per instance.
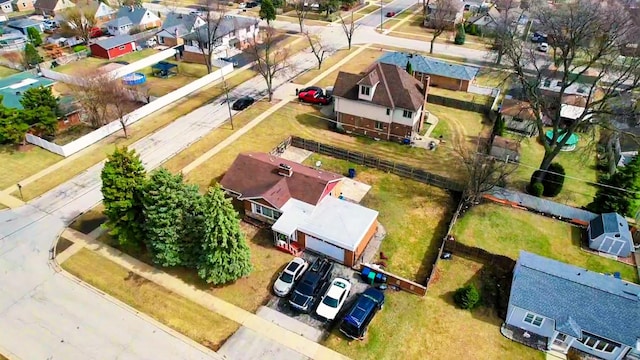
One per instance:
(267, 11)
(621, 192)
(123, 178)
(166, 201)
(225, 255)
(40, 96)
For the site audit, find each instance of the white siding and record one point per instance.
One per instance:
(363, 109)
(400, 119)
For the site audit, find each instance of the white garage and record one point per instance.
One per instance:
(325, 248)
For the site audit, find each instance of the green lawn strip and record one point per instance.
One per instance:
(445, 332)
(20, 164)
(6, 71)
(140, 129)
(505, 231)
(368, 9)
(179, 313)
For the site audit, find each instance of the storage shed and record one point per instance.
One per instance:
(609, 233)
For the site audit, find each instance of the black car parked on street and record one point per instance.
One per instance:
(310, 287)
(242, 103)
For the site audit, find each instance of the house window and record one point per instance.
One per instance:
(407, 114)
(265, 211)
(121, 47)
(533, 319)
(547, 83)
(388, 111)
(364, 90)
(598, 343)
(161, 39)
(378, 125)
(559, 84)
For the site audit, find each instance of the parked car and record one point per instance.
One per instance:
(313, 97)
(251, 4)
(230, 60)
(307, 291)
(242, 103)
(95, 32)
(243, 6)
(391, 14)
(354, 324)
(312, 88)
(294, 270)
(539, 37)
(334, 299)
(544, 47)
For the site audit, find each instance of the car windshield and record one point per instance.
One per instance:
(331, 302)
(286, 277)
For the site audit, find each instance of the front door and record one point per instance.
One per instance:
(561, 342)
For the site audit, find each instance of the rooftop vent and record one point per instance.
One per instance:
(285, 170)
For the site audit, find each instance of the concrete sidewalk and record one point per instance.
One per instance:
(249, 320)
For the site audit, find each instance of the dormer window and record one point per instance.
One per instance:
(365, 90)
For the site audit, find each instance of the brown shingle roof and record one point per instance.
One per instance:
(518, 109)
(505, 143)
(255, 175)
(396, 88)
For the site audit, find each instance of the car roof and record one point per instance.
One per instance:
(293, 266)
(360, 310)
(338, 286)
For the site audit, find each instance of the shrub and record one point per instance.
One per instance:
(79, 48)
(500, 126)
(553, 180)
(460, 35)
(536, 189)
(467, 297)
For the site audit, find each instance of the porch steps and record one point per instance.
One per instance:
(288, 248)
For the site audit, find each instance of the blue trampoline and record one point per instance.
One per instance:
(134, 79)
(571, 143)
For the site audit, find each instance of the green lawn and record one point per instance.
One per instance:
(326, 64)
(181, 314)
(6, 71)
(579, 164)
(492, 78)
(462, 95)
(458, 126)
(90, 63)
(505, 231)
(412, 327)
(18, 164)
(187, 73)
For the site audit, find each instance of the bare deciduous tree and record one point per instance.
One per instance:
(79, 22)
(441, 17)
(301, 10)
(586, 36)
(123, 104)
(209, 36)
(483, 173)
(506, 26)
(349, 28)
(93, 90)
(318, 47)
(270, 59)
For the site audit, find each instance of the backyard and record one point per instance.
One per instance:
(410, 326)
(187, 73)
(462, 95)
(502, 230)
(92, 63)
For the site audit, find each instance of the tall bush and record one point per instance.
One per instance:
(460, 35)
(467, 297)
(554, 180)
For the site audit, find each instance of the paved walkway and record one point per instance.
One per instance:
(247, 319)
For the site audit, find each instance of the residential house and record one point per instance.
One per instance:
(234, 32)
(177, 25)
(6, 7)
(562, 307)
(71, 112)
(383, 103)
(434, 72)
(22, 5)
(12, 39)
(111, 48)
(450, 15)
(518, 117)
(13, 87)
(131, 17)
(609, 233)
(505, 149)
(581, 88)
(23, 24)
(104, 13)
(52, 7)
(303, 205)
(488, 19)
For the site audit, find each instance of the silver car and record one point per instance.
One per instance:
(286, 279)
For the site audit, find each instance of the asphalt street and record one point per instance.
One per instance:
(375, 18)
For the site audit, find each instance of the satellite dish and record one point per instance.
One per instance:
(318, 163)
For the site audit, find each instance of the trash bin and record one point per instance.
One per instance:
(365, 272)
(406, 141)
(352, 173)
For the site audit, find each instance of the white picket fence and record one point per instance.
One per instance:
(99, 134)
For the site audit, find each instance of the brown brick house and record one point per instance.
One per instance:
(303, 205)
(385, 102)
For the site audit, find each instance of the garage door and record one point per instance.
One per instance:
(324, 248)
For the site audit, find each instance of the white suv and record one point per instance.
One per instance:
(334, 299)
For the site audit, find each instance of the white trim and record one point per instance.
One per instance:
(256, 206)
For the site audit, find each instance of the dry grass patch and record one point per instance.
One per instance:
(326, 64)
(356, 65)
(7, 71)
(140, 129)
(462, 95)
(20, 164)
(92, 63)
(179, 313)
(445, 332)
(506, 231)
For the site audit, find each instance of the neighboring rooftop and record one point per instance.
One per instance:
(12, 87)
(506, 143)
(173, 19)
(120, 21)
(395, 87)
(115, 41)
(23, 23)
(611, 223)
(135, 14)
(227, 25)
(517, 109)
(256, 175)
(430, 66)
(576, 298)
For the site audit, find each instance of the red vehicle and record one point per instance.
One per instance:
(313, 97)
(391, 14)
(95, 32)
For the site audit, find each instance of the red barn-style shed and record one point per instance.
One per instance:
(113, 47)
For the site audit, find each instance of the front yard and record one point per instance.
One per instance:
(502, 230)
(20, 164)
(357, 65)
(412, 327)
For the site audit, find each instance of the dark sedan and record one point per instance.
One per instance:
(242, 103)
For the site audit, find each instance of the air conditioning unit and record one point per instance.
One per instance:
(285, 170)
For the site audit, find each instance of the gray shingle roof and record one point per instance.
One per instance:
(135, 15)
(23, 23)
(227, 25)
(430, 66)
(577, 298)
(175, 19)
(121, 21)
(115, 41)
(611, 223)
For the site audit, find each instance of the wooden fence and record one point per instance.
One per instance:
(503, 262)
(402, 283)
(359, 158)
(459, 104)
(452, 222)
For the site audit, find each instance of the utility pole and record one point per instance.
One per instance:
(381, 17)
(20, 189)
(226, 93)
